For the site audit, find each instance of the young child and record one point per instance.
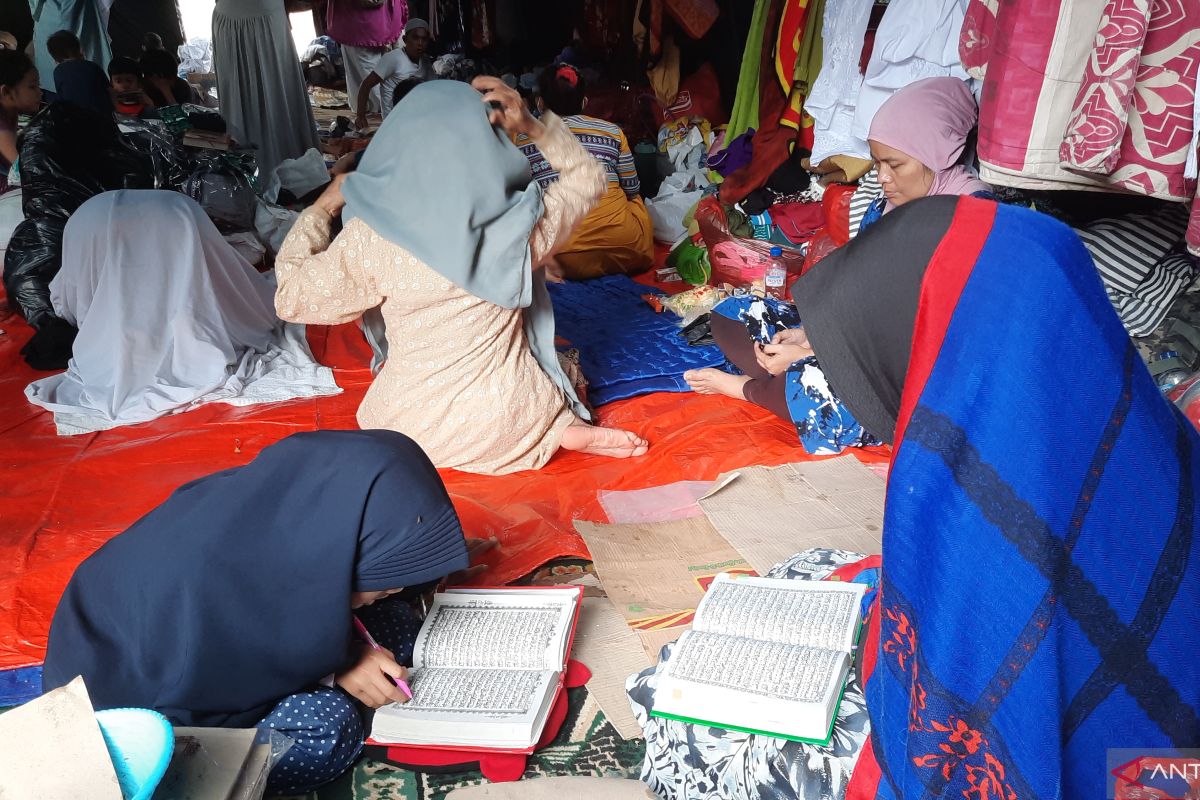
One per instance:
(128, 95)
(20, 93)
(77, 80)
(160, 76)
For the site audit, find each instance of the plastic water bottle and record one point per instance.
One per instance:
(1172, 377)
(776, 274)
(761, 223)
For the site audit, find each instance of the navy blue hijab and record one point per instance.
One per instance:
(235, 592)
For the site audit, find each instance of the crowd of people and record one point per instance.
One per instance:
(442, 235)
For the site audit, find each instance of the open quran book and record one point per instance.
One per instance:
(487, 667)
(765, 656)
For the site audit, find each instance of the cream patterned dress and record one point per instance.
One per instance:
(460, 378)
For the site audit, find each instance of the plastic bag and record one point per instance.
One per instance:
(735, 260)
(224, 192)
(298, 176)
(169, 164)
(196, 55)
(272, 224)
(821, 245)
(67, 155)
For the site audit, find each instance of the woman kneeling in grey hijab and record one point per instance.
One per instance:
(446, 233)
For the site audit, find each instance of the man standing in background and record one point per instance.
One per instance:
(365, 29)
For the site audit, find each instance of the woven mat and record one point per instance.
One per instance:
(587, 745)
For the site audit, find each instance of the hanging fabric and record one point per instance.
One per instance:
(1100, 116)
(916, 39)
(745, 105)
(1047, 96)
(695, 17)
(835, 94)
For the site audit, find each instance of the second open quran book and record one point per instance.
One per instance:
(766, 656)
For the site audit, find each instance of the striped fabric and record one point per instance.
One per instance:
(607, 144)
(1142, 264)
(868, 192)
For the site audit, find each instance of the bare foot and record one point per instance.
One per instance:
(713, 381)
(610, 442)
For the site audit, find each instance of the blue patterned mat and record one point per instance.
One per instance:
(626, 349)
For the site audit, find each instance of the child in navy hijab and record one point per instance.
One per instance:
(230, 604)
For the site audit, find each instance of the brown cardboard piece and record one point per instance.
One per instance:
(52, 747)
(656, 573)
(768, 514)
(613, 652)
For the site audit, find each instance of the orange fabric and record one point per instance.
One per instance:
(63, 497)
(617, 236)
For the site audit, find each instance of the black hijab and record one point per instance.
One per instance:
(235, 592)
(859, 306)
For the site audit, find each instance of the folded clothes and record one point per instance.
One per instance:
(625, 348)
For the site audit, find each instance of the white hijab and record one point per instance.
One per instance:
(169, 316)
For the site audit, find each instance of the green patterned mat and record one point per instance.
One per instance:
(587, 745)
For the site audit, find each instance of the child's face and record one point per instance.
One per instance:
(126, 84)
(26, 96)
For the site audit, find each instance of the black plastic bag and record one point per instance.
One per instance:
(168, 163)
(225, 193)
(64, 160)
(68, 155)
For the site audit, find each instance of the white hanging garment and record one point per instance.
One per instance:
(169, 317)
(916, 39)
(834, 94)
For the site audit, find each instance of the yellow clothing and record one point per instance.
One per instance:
(616, 237)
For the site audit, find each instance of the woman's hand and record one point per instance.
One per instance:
(510, 113)
(791, 336)
(786, 348)
(476, 549)
(370, 681)
(331, 200)
(343, 166)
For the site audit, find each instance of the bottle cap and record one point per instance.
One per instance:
(776, 252)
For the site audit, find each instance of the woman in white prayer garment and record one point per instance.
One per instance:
(170, 316)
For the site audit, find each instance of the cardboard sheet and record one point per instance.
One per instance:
(656, 573)
(769, 514)
(53, 747)
(613, 652)
(215, 764)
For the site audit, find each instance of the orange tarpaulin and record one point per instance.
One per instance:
(63, 497)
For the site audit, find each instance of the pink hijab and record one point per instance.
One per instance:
(930, 120)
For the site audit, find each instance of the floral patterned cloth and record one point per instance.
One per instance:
(824, 425)
(1087, 93)
(693, 762)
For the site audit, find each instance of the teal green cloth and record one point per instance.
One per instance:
(87, 19)
(440, 181)
(745, 104)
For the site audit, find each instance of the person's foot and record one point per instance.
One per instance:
(713, 381)
(608, 442)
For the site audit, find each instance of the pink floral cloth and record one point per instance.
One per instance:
(1100, 117)
(1087, 94)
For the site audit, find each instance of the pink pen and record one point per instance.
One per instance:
(370, 640)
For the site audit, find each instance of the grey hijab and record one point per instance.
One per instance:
(440, 181)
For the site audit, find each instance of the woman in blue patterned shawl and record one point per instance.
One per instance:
(1040, 606)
